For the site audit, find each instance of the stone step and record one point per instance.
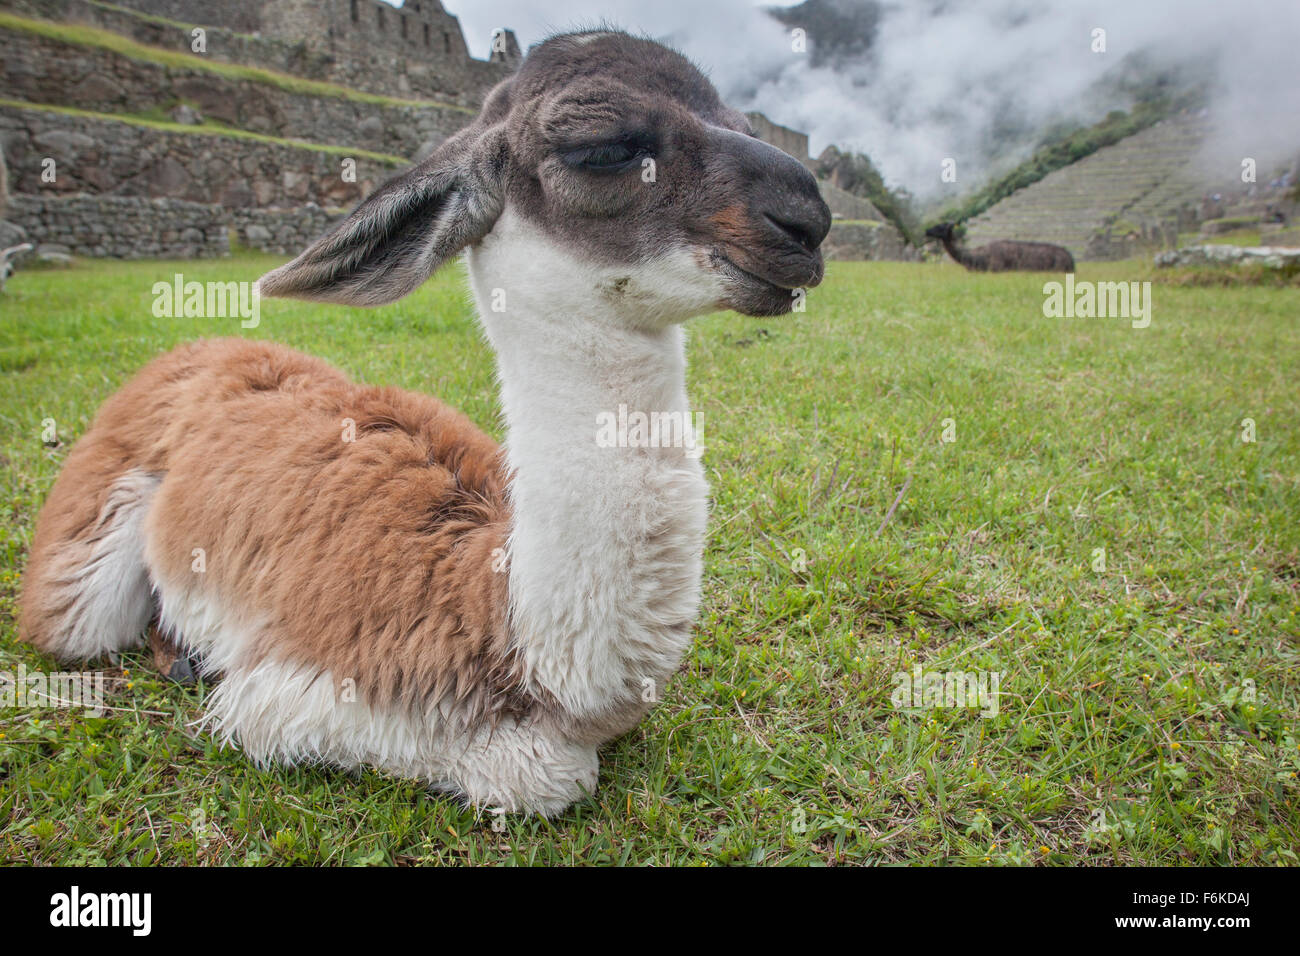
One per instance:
(78, 70)
(1141, 179)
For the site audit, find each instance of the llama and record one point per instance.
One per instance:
(1004, 255)
(408, 595)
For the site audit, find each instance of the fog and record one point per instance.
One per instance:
(959, 79)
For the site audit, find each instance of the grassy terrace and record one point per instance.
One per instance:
(205, 129)
(89, 36)
(1148, 711)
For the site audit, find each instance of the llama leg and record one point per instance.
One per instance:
(522, 767)
(280, 712)
(87, 590)
(287, 713)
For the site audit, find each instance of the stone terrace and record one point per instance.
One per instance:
(1071, 205)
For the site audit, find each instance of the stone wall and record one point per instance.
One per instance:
(242, 15)
(418, 29)
(418, 49)
(871, 241)
(846, 205)
(311, 50)
(283, 231)
(274, 196)
(122, 158)
(123, 227)
(43, 70)
(782, 137)
(120, 227)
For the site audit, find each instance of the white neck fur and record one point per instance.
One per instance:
(606, 545)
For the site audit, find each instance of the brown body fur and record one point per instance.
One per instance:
(381, 564)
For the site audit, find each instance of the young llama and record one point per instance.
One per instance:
(418, 599)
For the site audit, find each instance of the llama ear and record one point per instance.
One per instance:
(404, 230)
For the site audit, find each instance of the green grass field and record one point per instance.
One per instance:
(1148, 711)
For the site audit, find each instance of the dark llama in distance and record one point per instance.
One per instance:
(1005, 255)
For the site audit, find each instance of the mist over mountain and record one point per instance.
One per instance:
(981, 82)
(842, 31)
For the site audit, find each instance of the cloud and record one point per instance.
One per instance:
(955, 78)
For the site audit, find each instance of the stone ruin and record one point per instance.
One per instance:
(1211, 255)
(181, 128)
(283, 116)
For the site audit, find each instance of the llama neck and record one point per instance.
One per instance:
(971, 260)
(606, 543)
(956, 251)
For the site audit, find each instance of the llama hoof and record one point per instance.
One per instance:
(181, 672)
(171, 660)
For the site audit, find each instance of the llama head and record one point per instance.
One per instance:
(611, 159)
(943, 231)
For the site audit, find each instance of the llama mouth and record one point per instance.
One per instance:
(729, 268)
(757, 295)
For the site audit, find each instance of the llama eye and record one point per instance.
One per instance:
(604, 158)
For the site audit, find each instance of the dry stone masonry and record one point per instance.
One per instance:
(121, 228)
(121, 140)
(112, 157)
(416, 52)
(291, 112)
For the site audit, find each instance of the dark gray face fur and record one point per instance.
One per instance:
(570, 143)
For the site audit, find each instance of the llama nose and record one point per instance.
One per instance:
(791, 201)
(803, 231)
(782, 199)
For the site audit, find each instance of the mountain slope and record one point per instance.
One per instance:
(1148, 175)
